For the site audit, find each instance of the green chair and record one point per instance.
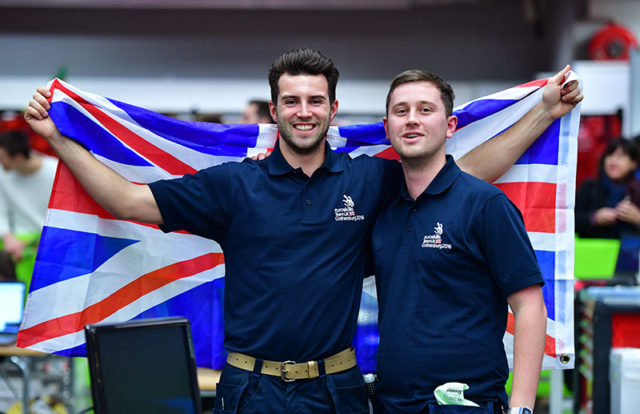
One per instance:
(595, 258)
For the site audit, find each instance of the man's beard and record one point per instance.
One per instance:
(314, 143)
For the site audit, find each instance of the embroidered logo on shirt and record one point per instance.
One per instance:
(434, 241)
(347, 213)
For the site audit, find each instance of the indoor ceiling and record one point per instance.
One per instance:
(242, 4)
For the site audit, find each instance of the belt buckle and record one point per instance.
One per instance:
(284, 371)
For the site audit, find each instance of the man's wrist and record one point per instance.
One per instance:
(543, 113)
(519, 410)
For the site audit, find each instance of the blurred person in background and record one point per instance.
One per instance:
(608, 206)
(7, 267)
(208, 117)
(25, 186)
(257, 112)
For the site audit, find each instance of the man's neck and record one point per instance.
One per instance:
(309, 163)
(30, 166)
(418, 174)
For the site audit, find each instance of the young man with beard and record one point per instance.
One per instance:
(293, 281)
(451, 252)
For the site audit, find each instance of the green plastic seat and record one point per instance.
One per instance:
(595, 258)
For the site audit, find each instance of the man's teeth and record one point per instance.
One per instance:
(411, 135)
(304, 127)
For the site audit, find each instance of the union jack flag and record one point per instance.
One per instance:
(92, 267)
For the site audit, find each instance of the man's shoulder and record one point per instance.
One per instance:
(474, 185)
(245, 166)
(367, 161)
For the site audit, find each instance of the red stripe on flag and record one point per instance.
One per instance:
(549, 341)
(67, 194)
(154, 154)
(97, 312)
(539, 82)
(536, 201)
(389, 154)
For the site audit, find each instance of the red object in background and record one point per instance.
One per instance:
(612, 42)
(625, 332)
(593, 137)
(38, 143)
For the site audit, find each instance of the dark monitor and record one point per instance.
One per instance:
(143, 366)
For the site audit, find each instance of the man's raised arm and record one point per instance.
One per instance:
(494, 157)
(118, 196)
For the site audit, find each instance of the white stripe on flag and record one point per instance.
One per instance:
(465, 139)
(515, 93)
(539, 173)
(267, 135)
(135, 308)
(371, 150)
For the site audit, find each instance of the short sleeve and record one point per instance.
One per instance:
(507, 249)
(199, 203)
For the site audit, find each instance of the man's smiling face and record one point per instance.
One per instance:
(303, 111)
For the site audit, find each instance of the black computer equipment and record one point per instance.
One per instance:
(143, 366)
(11, 310)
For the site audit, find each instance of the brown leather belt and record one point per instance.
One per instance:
(291, 370)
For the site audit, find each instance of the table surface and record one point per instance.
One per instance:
(12, 350)
(208, 378)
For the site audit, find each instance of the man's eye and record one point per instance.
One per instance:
(426, 110)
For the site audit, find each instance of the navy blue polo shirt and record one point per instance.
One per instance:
(445, 264)
(293, 246)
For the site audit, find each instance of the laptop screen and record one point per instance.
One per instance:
(143, 366)
(11, 306)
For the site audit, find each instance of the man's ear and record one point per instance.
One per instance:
(333, 110)
(273, 111)
(452, 124)
(385, 122)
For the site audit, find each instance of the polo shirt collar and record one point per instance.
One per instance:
(443, 180)
(279, 166)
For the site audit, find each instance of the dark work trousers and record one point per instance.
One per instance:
(490, 407)
(245, 392)
(486, 407)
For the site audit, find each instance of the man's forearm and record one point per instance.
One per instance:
(494, 157)
(114, 193)
(528, 351)
(489, 160)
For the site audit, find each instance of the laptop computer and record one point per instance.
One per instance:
(11, 309)
(143, 366)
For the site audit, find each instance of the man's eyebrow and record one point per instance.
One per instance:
(297, 97)
(405, 103)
